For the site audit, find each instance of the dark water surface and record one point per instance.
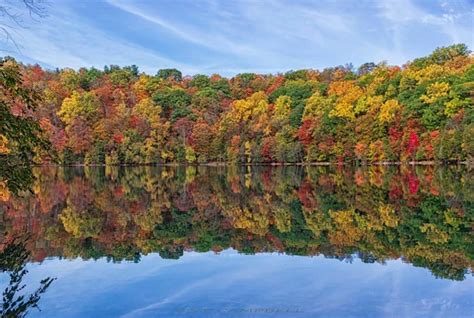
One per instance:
(242, 242)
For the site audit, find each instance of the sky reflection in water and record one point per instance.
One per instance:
(235, 285)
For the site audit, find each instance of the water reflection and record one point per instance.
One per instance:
(15, 303)
(422, 215)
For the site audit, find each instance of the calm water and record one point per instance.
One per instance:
(241, 242)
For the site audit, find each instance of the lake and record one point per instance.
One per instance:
(242, 242)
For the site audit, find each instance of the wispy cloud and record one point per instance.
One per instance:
(63, 39)
(453, 20)
(206, 37)
(230, 37)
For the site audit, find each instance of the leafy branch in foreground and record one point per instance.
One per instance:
(20, 134)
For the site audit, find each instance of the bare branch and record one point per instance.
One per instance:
(11, 17)
(36, 8)
(9, 38)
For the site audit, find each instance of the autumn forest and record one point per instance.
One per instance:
(421, 111)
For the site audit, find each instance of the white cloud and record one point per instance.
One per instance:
(406, 14)
(231, 37)
(205, 38)
(62, 39)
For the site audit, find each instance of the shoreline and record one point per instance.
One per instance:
(269, 164)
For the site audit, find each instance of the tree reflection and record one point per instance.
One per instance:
(423, 215)
(15, 303)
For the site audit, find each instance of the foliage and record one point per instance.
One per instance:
(21, 137)
(423, 215)
(333, 115)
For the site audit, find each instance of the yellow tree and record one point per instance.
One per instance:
(84, 105)
(388, 110)
(281, 112)
(316, 106)
(347, 93)
(246, 118)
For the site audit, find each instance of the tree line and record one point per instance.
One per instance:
(419, 111)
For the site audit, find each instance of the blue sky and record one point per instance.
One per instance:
(230, 37)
